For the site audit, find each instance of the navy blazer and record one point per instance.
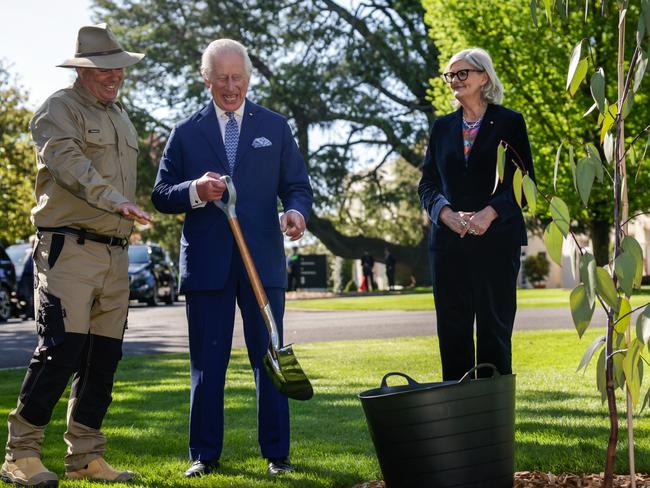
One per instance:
(447, 179)
(261, 176)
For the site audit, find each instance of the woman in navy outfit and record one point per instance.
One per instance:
(476, 233)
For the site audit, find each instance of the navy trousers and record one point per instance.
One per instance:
(475, 279)
(210, 317)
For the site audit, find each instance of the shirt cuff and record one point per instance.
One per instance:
(195, 201)
(296, 211)
(437, 207)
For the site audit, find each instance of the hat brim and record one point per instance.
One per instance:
(110, 61)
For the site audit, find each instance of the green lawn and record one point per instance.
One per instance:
(526, 298)
(561, 424)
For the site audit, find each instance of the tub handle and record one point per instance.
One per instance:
(410, 380)
(468, 376)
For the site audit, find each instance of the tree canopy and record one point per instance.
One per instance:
(353, 82)
(17, 161)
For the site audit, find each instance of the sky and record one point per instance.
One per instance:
(36, 35)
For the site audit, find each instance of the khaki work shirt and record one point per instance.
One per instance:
(87, 163)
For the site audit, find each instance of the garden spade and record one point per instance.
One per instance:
(280, 362)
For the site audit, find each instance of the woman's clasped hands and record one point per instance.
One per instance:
(472, 223)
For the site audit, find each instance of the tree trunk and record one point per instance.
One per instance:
(414, 259)
(620, 156)
(610, 456)
(599, 231)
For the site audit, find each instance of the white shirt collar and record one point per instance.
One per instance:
(239, 113)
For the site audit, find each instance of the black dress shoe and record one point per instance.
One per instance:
(280, 465)
(199, 468)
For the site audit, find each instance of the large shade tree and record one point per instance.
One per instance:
(353, 82)
(17, 161)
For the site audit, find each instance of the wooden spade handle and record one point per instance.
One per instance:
(258, 289)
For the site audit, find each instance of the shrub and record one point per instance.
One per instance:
(536, 268)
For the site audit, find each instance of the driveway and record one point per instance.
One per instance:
(161, 329)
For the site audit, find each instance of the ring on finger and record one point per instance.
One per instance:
(463, 223)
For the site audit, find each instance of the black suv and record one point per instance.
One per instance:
(152, 275)
(7, 285)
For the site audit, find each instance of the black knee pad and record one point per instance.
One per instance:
(48, 373)
(93, 384)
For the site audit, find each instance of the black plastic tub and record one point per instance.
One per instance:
(446, 434)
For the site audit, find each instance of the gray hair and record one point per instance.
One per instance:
(220, 47)
(492, 91)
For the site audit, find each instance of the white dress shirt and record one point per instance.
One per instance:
(223, 120)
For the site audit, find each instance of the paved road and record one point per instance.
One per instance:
(164, 329)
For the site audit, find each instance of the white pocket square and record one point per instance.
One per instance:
(261, 142)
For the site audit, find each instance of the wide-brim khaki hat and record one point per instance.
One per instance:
(97, 47)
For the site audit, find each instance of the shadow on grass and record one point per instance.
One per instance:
(557, 430)
(560, 431)
(147, 427)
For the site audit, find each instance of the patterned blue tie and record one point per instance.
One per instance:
(231, 139)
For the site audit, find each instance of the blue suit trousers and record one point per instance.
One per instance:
(210, 317)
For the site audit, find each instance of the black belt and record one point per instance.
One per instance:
(82, 235)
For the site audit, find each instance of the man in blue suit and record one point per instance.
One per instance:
(255, 146)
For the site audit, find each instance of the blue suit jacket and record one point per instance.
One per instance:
(261, 176)
(447, 179)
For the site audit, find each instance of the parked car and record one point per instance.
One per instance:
(23, 300)
(152, 275)
(7, 285)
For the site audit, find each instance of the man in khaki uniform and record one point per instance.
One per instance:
(85, 186)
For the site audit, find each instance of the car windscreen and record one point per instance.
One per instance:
(138, 254)
(17, 253)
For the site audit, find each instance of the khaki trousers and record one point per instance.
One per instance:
(81, 305)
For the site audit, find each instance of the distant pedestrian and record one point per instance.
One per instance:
(367, 265)
(293, 270)
(390, 262)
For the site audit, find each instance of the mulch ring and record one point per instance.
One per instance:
(536, 479)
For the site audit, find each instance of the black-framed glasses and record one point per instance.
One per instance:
(461, 74)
